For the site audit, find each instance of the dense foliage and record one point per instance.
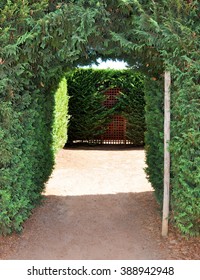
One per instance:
(166, 34)
(154, 117)
(40, 39)
(32, 62)
(61, 118)
(89, 116)
(185, 151)
(30, 135)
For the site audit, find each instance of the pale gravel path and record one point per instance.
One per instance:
(98, 205)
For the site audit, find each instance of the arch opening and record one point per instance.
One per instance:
(39, 44)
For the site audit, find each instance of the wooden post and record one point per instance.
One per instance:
(166, 154)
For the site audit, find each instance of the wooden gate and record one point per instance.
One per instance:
(116, 130)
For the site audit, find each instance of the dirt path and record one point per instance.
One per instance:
(98, 205)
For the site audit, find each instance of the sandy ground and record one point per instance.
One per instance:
(98, 205)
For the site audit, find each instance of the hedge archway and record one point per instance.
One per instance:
(41, 40)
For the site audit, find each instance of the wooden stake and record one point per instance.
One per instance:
(166, 154)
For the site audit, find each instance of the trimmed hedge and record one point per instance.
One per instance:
(26, 154)
(38, 40)
(86, 110)
(184, 147)
(185, 151)
(154, 117)
(26, 168)
(61, 117)
(89, 117)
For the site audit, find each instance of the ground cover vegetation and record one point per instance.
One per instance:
(89, 117)
(40, 40)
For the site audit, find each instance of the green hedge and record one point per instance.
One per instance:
(39, 39)
(26, 153)
(184, 147)
(185, 151)
(86, 110)
(154, 117)
(89, 117)
(25, 168)
(61, 117)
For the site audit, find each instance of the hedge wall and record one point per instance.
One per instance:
(185, 151)
(26, 153)
(86, 110)
(184, 147)
(89, 117)
(61, 118)
(39, 39)
(154, 117)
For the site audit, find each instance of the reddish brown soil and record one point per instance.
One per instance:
(98, 205)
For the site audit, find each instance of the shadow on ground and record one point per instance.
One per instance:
(98, 205)
(103, 147)
(119, 226)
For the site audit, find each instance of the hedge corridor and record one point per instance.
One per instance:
(42, 40)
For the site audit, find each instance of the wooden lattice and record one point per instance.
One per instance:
(116, 130)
